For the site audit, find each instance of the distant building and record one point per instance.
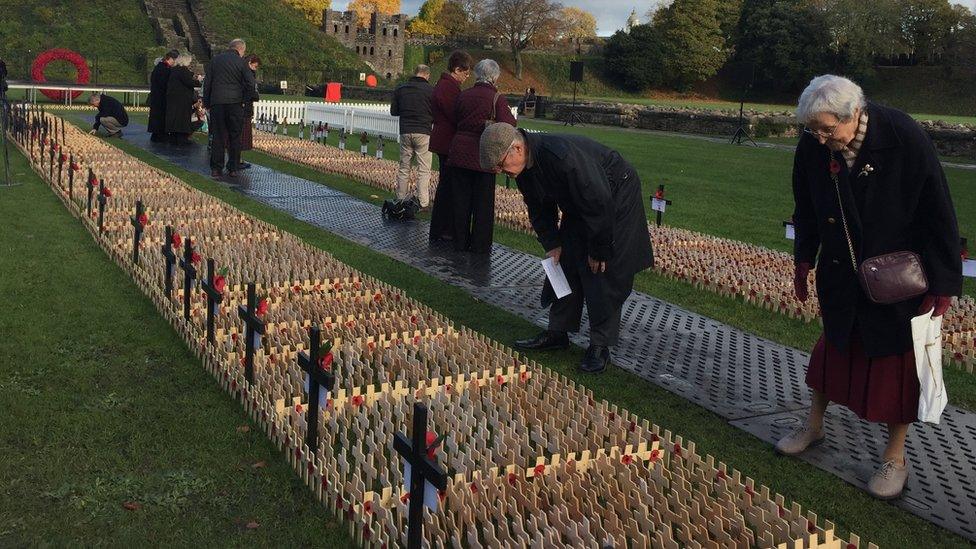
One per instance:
(633, 20)
(380, 46)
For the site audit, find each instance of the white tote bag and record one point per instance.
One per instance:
(927, 337)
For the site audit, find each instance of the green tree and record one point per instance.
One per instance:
(311, 9)
(691, 41)
(633, 59)
(426, 20)
(961, 47)
(454, 19)
(926, 25)
(781, 45)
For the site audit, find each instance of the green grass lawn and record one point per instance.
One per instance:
(851, 508)
(103, 405)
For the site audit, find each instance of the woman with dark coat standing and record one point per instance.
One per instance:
(247, 133)
(158, 84)
(442, 107)
(179, 100)
(473, 188)
(883, 168)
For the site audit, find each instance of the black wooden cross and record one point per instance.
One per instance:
(254, 325)
(91, 189)
(170, 260)
(275, 122)
(422, 470)
(301, 129)
(50, 163)
(325, 136)
(342, 138)
(102, 199)
(659, 195)
(318, 376)
(62, 131)
(61, 160)
(137, 226)
(189, 276)
(215, 296)
(71, 176)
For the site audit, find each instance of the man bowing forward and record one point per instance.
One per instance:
(600, 240)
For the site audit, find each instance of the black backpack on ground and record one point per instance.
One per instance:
(401, 210)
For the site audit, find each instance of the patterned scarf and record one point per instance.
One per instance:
(850, 151)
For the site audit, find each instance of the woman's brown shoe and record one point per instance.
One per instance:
(799, 440)
(889, 480)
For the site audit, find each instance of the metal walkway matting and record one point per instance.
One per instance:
(756, 384)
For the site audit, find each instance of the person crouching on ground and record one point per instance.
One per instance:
(111, 116)
(601, 240)
(867, 181)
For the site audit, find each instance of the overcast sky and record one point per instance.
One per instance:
(610, 14)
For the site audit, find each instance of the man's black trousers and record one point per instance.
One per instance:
(226, 125)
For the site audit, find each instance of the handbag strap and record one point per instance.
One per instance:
(494, 107)
(843, 219)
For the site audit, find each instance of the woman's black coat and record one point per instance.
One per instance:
(905, 205)
(158, 84)
(179, 100)
(586, 198)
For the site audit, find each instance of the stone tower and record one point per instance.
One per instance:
(632, 21)
(380, 46)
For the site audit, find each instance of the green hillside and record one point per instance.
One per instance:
(116, 37)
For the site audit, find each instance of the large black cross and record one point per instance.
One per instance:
(422, 469)
(214, 299)
(71, 177)
(91, 189)
(137, 231)
(301, 129)
(660, 192)
(61, 160)
(253, 325)
(62, 131)
(317, 377)
(189, 276)
(50, 163)
(170, 260)
(101, 205)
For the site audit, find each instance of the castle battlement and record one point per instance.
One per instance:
(380, 46)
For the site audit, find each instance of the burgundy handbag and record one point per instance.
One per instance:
(889, 278)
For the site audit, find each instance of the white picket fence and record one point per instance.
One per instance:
(373, 118)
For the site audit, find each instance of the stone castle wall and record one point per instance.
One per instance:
(380, 46)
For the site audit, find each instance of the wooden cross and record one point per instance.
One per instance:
(91, 188)
(317, 377)
(101, 205)
(50, 163)
(659, 203)
(71, 176)
(253, 326)
(275, 122)
(189, 275)
(422, 470)
(137, 230)
(214, 298)
(170, 259)
(61, 160)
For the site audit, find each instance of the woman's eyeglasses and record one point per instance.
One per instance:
(821, 133)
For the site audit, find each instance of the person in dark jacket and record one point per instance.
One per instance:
(441, 135)
(473, 187)
(247, 131)
(867, 181)
(228, 84)
(584, 202)
(158, 81)
(111, 115)
(411, 102)
(179, 101)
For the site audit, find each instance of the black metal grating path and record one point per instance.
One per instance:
(755, 383)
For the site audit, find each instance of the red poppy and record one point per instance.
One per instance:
(368, 507)
(357, 285)
(431, 437)
(523, 376)
(613, 416)
(448, 387)
(442, 495)
(62, 158)
(781, 511)
(143, 220)
(262, 306)
(659, 194)
(107, 192)
(371, 346)
(378, 297)
(298, 408)
(405, 497)
(512, 478)
(177, 240)
(834, 166)
(474, 488)
(677, 449)
(413, 319)
(500, 379)
(416, 340)
(358, 400)
(75, 166)
(220, 282)
(627, 459)
(233, 337)
(654, 455)
(539, 469)
(633, 426)
(297, 288)
(325, 363)
(195, 257)
(811, 527)
(337, 286)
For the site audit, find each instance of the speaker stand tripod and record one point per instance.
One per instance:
(741, 131)
(574, 117)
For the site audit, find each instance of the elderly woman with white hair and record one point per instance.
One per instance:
(179, 100)
(873, 214)
(473, 195)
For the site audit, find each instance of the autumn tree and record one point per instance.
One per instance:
(426, 20)
(454, 19)
(365, 8)
(519, 23)
(311, 9)
(576, 23)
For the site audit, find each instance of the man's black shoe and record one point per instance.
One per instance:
(595, 360)
(545, 341)
(245, 165)
(233, 174)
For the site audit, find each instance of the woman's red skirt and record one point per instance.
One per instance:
(881, 389)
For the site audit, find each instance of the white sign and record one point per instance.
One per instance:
(362, 76)
(379, 154)
(969, 268)
(556, 276)
(323, 393)
(659, 204)
(362, 149)
(284, 84)
(430, 492)
(790, 231)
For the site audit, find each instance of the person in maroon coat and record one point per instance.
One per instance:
(442, 107)
(473, 188)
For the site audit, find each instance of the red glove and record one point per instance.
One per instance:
(940, 304)
(800, 281)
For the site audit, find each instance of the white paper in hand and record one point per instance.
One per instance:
(790, 231)
(927, 340)
(556, 276)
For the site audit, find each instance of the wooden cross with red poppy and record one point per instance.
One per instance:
(253, 326)
(659, 203)
(139, 222)
(213, 286)
(316, 363)
(188, 264)
(423, 469)
(103, 195)
(170, 259)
